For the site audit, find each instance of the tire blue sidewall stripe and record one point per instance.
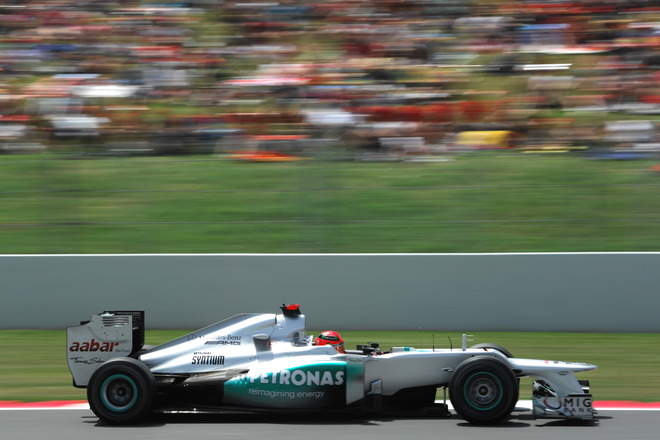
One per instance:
(469, 401)
(105, 399)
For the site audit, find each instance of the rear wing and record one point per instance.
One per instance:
(110, 334)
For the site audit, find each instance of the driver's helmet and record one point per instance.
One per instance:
(330, 337)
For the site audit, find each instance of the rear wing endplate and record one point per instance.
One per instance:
(105, 336)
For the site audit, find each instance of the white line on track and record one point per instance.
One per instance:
(524, 405)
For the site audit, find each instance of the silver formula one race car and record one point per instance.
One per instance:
(266, 362)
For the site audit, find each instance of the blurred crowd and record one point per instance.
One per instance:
(369, 80)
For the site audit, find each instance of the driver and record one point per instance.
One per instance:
(330, 337)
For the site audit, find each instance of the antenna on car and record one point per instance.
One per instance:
(451, 346)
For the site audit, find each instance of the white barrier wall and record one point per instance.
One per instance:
(451, 292)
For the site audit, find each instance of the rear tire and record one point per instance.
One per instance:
(483, 390)
(121, 391)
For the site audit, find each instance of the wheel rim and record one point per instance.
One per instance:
(483, 391)
(119, 392)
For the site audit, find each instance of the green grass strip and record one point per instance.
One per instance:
(33, 362)
(484, 202)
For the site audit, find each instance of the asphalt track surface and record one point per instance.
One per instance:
(83, 424)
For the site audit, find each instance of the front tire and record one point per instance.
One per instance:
(483, 390)
(488, 345)
(121, 391)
